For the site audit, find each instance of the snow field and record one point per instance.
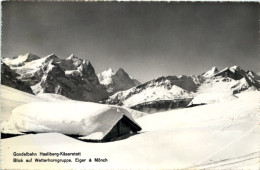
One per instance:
(215, 136)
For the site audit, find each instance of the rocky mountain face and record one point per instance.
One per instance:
(170, 92)
(117, 81)
(71, 77)
(8, 78)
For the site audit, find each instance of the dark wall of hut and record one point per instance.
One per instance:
(121, 128)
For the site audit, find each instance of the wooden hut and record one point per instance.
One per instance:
(83, 120)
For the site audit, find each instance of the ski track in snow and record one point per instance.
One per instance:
(228, 144)
(230, 161)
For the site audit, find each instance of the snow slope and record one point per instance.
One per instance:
(12, 98)
(215, 136)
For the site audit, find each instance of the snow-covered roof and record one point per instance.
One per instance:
(86, 119)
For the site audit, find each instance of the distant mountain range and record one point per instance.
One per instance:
(76, 79)
(170, 92)
(72, 77)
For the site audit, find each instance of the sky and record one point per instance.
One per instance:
(147, 40)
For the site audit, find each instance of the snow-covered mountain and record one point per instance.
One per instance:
(172, 91)
(166, 90)
(225, 84)
(71, 77)
(117, 81)
(236, 73)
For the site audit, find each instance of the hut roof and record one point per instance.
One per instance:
(89, 120)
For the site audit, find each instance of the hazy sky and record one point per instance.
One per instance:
(148, 40)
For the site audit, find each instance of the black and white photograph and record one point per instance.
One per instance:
(130, 85)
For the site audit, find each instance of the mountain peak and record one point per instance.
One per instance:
(116, 81)
(87, 62)
(121, 71)
(214, 68)
(211, 72)
(234, 68)
(71, 57)
(28, 54)
(51, 55)
(18, 61)
(107, 73)
(110, 70)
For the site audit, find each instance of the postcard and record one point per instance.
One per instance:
(130, 85)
